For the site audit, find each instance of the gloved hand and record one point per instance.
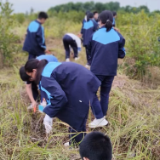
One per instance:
(48, 122)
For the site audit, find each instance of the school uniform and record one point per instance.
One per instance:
(114, 22)
(69, 94)
(106, 48)
(49, 58)
(73, 41)
(35, 42)
(89, 28)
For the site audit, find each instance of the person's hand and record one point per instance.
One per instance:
(116, 29)
(48, 122)
(33, 104)
(47, 51)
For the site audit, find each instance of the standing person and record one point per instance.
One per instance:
(95, 16)
(31, 87)
(106, 46)
(69, 93)
(35, 41)
(89, 28)
(114, 19)
(96, 146)
(71, 41)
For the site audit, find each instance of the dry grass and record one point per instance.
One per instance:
(134, 116)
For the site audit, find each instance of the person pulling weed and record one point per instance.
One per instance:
(70, 88)
(71, 41)
(31, 86)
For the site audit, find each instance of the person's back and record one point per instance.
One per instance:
(49, 58)
(105, 51)
(35, 41)
(96, 146)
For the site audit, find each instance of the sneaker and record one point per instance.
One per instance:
(98, 123)
(77, 58)
(67, 60)
(66, 144)
(87, 66)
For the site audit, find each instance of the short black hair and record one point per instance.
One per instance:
(23, 74)
(96, 146)
(89, 16)
(95, 12)
(114, 13)
(42, 15)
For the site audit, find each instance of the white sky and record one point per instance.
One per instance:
(44, 5)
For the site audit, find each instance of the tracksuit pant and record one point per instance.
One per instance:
(100, 108)
(88, 56)
(67, 42)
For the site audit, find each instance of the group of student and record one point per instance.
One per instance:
(68, 88)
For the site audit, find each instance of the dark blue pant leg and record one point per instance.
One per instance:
(74, 47)
(75, 136)
(106, 85)
(66, 46)
(88, 56)
(34, 90)
(31, 56)
(96, 108)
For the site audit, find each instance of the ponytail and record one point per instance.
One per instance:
(106, 17)
(108, 25)
(36, 64)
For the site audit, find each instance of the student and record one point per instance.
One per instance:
(89, 28)
(84, 20)
(31, 87)
(71, 41)
(114, 19)
(35, 41)
(106, 47)
(95, 16)
(96, 146)
(69, 93)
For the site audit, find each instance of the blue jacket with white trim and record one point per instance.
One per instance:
(106, 48)
(35, 41)
(89, 28)
(68, 91)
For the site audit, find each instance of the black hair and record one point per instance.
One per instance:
(87, 12)
(114, 14)
(106, 17)
(89, 16)
(96, 146)
(95, 12)
(23, 74)
(42, 15)
(36, 64)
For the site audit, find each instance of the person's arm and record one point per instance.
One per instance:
(30, 94)
(57, 97)
(121, 52)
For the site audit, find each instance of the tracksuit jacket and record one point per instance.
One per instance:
(35, 42)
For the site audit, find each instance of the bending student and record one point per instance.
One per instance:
(71, 41)
(31, 87)
(35, 41)
(105, 48)
(69, 93)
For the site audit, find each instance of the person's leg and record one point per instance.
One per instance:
(96, 108)
(31, 56)
(105, 90)
(34, 90)
(66, 46)
(88, 56)
(75, 48)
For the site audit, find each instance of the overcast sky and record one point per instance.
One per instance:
(44, 5)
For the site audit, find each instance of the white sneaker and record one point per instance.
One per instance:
(98, 123)
(77, 58)
(67, 60)
(66, 144)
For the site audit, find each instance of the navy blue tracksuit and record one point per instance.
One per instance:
(105, 48)
(89, 28)
(69, 94)
(35, 42)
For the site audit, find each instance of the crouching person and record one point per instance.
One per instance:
(69, 93)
